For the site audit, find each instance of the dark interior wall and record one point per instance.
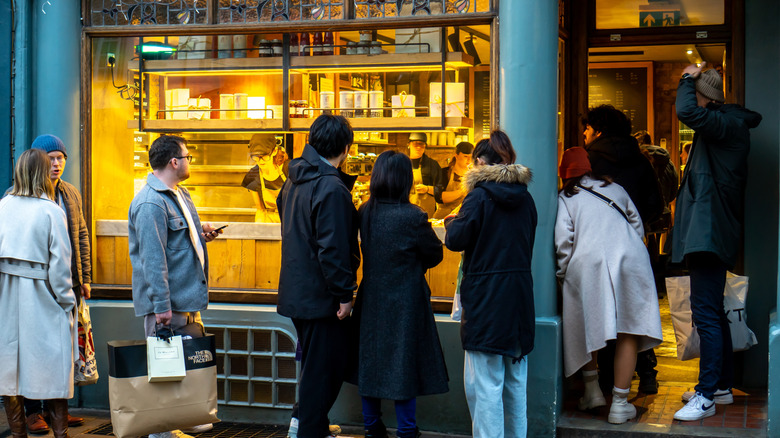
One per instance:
(6, 154)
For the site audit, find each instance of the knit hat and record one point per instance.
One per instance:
(418, 136)
(574, 163)
(49, 143)
(262, 144)
(710, 85)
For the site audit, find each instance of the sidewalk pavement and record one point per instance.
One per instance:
(97, 425)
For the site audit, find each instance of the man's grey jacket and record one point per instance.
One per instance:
(167, 274)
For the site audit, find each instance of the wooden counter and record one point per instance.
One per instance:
(247, 256)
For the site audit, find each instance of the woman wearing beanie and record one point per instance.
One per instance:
(495, 228)
(37, 318)
(608, 287)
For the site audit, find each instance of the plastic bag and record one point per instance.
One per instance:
(85, 372)
(734, 297)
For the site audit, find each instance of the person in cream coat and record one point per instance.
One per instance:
(37, 303)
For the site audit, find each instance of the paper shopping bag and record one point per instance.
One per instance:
(140, 408)
(165, 359)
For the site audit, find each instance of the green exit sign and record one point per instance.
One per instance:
(659, 18)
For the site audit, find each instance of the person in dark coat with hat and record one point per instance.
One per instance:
(428, 178)
(708, 225)
(400, 356)
(495, 228)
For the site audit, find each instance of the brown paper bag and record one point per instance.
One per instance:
(140, 408)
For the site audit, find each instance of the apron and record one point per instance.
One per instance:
(443, 210)
(269, 190)
(423, 200)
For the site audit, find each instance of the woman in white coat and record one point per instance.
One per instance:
(37, 316)
(608, 287)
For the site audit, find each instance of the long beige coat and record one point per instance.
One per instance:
(37, 319)
(608, 285)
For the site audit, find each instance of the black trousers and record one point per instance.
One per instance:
(325, 345)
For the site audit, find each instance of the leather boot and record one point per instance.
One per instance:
(14, 410)
(58, 412)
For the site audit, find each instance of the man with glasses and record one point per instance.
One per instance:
(168, 247)
(68, 198)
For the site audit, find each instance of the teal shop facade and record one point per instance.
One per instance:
(47, 48)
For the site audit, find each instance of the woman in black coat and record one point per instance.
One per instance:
(495, 228)
(400, 356)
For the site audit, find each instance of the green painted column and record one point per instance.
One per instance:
(528, 87)
(56, 77)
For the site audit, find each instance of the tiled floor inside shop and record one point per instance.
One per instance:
(748, 412)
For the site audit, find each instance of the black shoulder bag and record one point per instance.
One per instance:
(609, 201)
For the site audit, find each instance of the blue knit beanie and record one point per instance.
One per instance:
(49, 143)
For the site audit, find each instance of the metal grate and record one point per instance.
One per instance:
(221, 430)
(255, 366)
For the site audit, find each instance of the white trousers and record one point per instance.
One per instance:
(496, 395)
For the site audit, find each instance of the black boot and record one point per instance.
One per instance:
(58, 412)
(14, 410)
(378, 431)
(415, 434)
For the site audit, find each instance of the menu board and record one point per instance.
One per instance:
(625, 86)
(481, 104)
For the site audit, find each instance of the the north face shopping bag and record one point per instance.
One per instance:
(139, 407)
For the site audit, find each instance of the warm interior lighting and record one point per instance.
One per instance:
(256, 103)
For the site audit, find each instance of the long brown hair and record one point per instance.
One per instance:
(31, 175)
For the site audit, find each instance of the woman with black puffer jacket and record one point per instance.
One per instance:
(495, 228)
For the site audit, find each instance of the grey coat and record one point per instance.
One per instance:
(37, 317)
(167, 274)
(400, 356)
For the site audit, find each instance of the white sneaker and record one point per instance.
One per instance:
(199, 428)
(721, 397)
(698, 407)
(621, 411)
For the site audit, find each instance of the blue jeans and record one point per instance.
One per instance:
(708, 279)
(404, 415)
(496, 394)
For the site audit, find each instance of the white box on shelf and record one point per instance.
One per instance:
(177, 102)
(200, 108)
(456, 99)
(415, 40)
(403, 104)
(227, 102)
(193, 47)
(256, 108)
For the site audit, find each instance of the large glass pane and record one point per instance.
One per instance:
(626, 14)
(245, 109)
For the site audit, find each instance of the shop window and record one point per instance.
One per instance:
(626, 14)
(227, 93)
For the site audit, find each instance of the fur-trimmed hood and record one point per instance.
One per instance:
(506, 183)
(498, 173)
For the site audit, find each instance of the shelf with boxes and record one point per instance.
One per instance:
(286, 93)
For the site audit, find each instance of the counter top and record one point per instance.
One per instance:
(235, 230)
